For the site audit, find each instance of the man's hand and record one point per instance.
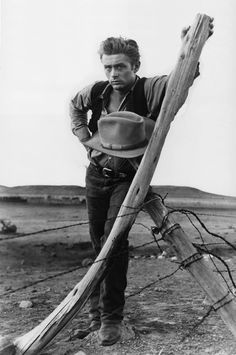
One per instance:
(185, 30)
(211, 27)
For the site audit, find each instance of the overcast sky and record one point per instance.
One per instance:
(49, 52)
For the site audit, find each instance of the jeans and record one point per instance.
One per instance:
(104, 197)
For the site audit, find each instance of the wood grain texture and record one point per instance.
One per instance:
(177, 90)
(222, 299)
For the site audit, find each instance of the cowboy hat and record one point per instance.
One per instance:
(122, 134)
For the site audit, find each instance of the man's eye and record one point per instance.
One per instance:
(120, 67)
(108, 68)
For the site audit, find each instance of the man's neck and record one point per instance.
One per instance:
(124, 91)
(119, 93)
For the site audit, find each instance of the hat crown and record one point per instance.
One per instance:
(122, 134)
(122, 131)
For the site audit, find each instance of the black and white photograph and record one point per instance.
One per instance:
(117, 183)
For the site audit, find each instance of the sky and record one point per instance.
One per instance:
(48, 52)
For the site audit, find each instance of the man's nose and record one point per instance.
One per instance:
(114, 73)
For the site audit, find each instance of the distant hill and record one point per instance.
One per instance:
(73, 190)
(180, 196)
(61, 190)
(187, 192)
(43, 194)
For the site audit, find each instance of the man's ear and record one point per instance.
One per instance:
(136, 67)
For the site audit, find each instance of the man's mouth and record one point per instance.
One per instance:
(116, 82)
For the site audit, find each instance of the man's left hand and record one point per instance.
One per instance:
(185, 30)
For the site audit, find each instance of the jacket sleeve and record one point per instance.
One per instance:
(79, 107)
(154, 90)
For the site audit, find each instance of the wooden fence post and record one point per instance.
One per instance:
(177, 89)
(223, 300)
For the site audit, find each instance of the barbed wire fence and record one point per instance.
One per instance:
(202, 248)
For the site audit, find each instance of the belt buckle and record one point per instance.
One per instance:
(106, 172)
(122, 175)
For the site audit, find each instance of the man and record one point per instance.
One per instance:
(123, 97)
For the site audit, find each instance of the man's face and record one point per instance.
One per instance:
(119, 71)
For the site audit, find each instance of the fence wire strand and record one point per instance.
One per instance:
(201, 248)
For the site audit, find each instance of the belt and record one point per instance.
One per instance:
(109, 173)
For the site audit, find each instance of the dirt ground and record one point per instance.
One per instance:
(159, 319)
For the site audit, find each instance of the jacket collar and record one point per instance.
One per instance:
(106, 92)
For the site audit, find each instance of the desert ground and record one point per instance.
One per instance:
(165, 307)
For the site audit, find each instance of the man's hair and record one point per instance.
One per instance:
(120, 45)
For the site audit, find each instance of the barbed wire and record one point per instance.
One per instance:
(185, 212)
(197, 325)
(188, 212)
(31, 284)
(43, 231)
(211, 253)
(203, 248)
(137, 209)
(218, 270)
(154, 282)
(216, 215)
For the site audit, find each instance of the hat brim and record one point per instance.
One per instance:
(95, 143)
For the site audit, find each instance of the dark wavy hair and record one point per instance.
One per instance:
(120, 45)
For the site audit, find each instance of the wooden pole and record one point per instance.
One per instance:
(223, 300)
(177, 89)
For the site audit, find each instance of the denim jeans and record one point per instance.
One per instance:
(104, 197)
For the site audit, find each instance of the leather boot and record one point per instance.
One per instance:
(95, 325)
(109, 333)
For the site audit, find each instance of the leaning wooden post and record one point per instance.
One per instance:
(223, 300)
(180, 80)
